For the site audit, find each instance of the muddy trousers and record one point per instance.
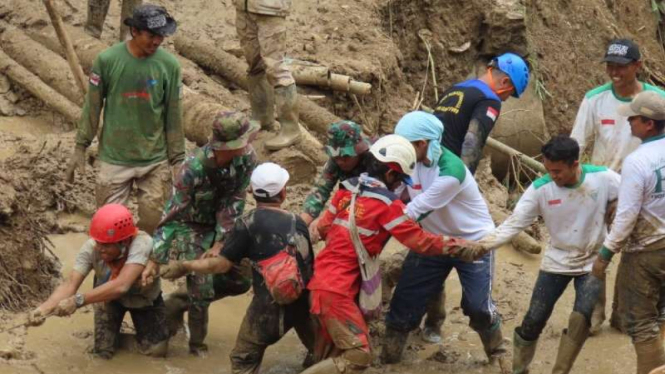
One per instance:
(97, 10)
(640, 278)
(265, 323)
(233, 283)
(391, 269)
(342, 339)
(548, 289)
(150, 323)
(152, 183)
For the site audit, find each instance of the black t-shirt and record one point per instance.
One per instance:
(261, 234)
(461, 103)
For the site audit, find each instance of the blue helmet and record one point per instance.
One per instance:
(515, 67)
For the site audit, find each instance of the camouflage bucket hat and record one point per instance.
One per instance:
(232, 130)
(345, 139)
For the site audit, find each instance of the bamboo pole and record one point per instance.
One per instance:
(37, 88)
(72, 59)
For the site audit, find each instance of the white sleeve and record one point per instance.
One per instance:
(84, 259)
(583, 129)
(441, 192)
(631, 194)
(614, 183)
(525, 213)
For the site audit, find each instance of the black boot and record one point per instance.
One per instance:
(394, 343)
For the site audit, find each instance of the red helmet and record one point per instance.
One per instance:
(112, 223)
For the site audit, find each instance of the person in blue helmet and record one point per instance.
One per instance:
(470, 109)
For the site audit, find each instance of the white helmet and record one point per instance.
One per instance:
(395, 149)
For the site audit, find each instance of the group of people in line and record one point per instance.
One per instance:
(416, 185)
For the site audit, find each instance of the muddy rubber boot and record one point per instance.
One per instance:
(176, 304)
(650, 355)
(126, 11)
(198, 329)
(394, 343)
(287, 113)
(523, 352)
(436, 315)
(327, 366)
(572, 340)
(97, 10)
(496, 347)
(598, 315)
(262, 101)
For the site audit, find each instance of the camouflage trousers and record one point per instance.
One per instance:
(152, 182)
(150, 323)
(265, 323)
(263, 39)
(97, 10)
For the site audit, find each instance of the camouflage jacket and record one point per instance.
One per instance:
(205, 196)
(318, 197)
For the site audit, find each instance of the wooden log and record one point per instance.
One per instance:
(30, 82)
(530, 162)
(47, 65)
(72, 58)
(235, 70)
(314, 75)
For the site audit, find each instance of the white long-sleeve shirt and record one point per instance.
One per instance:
(599, 123)
(446, 200)
(639, 224)
(574, 217)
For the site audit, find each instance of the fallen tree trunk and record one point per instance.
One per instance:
(315, 75)
(45, 64)
(234, 70)
(66, 43)
(21, 76)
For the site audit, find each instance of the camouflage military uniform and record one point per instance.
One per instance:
(206, 200)
(344, 139)
(97, 10)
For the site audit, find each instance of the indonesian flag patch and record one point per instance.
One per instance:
(554, 202)
(607, 122)
(492, 113)
(94, 79)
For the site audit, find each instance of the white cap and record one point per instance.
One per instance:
(268, 179)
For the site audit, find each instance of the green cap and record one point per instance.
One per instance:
(232, 130)
(345, 139)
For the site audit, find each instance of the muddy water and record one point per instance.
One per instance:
(24, 127)
(60, 345)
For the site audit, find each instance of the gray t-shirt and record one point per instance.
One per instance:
(138, 253)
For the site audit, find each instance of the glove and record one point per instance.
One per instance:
(599, 268)
(65, 307)
(471, 251)
(36, 318)
(76, 162)
(173, 270)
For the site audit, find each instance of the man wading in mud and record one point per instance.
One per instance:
(345, 288)
(209, 194)
(573, 200)
(262, 236)
(138, 85)
(118, 254)
(638, 231)
(600, 125)
(445, 200)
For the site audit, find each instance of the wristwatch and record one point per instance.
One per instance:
(79, 299)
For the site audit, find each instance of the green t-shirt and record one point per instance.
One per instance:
(141, 98)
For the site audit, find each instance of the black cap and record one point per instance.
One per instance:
(622, 51)
(153, 18)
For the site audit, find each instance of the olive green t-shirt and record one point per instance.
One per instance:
(141, 98)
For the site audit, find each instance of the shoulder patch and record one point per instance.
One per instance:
(452, 166)
(588, 168)
(545, 179)
(598, 90)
